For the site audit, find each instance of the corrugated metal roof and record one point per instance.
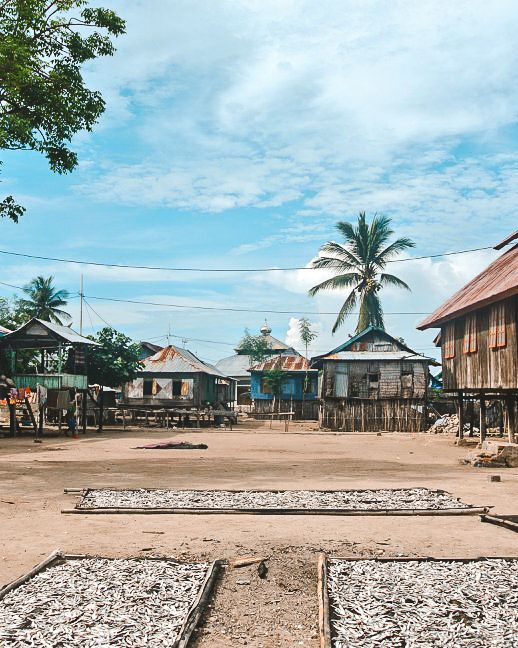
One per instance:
(171, 359)
(508, 239)
(284, 363)
(44, 333)
(498, 281)
(273, 343)
(376, 355)
(66, 333)
(235, 366)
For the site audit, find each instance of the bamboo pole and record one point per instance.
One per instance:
(267, 511)
(199, 605)
(53, 557)
(324, 628)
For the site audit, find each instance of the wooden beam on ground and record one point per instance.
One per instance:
(49, 560)
(324, 628)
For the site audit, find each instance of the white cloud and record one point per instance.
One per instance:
(338, 105)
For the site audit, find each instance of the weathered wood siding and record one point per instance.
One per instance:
(485, 368)
(342, 379)
(368, 415)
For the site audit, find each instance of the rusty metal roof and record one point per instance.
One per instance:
(284, 363)
(498, 281)
(171, 359)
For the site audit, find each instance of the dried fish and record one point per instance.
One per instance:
(101, 602)
(419, 604)
(347, 500)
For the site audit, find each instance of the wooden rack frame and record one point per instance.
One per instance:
(194, 613)
(468, 510)
(324, 612)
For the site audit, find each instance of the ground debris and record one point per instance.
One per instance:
(347, 500)
(387, 604)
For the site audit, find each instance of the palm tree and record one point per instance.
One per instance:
(359, 265)
(44, 301)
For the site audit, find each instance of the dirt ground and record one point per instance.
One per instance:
(281, 610)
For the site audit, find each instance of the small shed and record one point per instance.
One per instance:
(238, 366)
(298, 389)
(373, 382)
(62, 365)
(175, 377)
(479, 340)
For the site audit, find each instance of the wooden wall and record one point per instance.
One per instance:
(486, 368)
(368, 415)
(353, 379)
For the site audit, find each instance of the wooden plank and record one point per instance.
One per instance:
(500, 521)
(383, 559)
(54, 557)
(266, 511)
(196, 609)
(199, 605)
(324, 626)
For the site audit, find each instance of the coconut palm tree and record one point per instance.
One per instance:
(44, 301)
(359, 265)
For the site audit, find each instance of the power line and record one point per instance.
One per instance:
(238, 310)
(180, 269)
(96, 313)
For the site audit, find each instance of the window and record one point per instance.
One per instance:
(373, 381)
(470, 334)
(310, 386)
(265, 387)
(147, 388)
(288, 387)
(497, 326)
(448, 335)
(407, 379)
(182, 388)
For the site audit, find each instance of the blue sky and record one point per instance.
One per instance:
(238, 132)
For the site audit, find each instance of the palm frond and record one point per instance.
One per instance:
(341, 252)
(398, 246)
(331, 262)
(392, 280)
(347, 307)
(336, 283)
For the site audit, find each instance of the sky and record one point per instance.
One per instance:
(238, 132)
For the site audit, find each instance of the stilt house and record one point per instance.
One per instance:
(238, 366)
(175, 377)
(373, 382)
(298, 388)
(479, 339)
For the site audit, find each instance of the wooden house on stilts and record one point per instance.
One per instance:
(479, 340)
(373, 382)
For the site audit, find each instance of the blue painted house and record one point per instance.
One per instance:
(296, 395)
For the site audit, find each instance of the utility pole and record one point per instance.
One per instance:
(169, 334)
(81, 295)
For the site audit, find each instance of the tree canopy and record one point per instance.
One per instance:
(359, 265)
(115, 362)
(43, 99)
(255, 346)
(44, 301)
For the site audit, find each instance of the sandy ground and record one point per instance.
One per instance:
(281, 610)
